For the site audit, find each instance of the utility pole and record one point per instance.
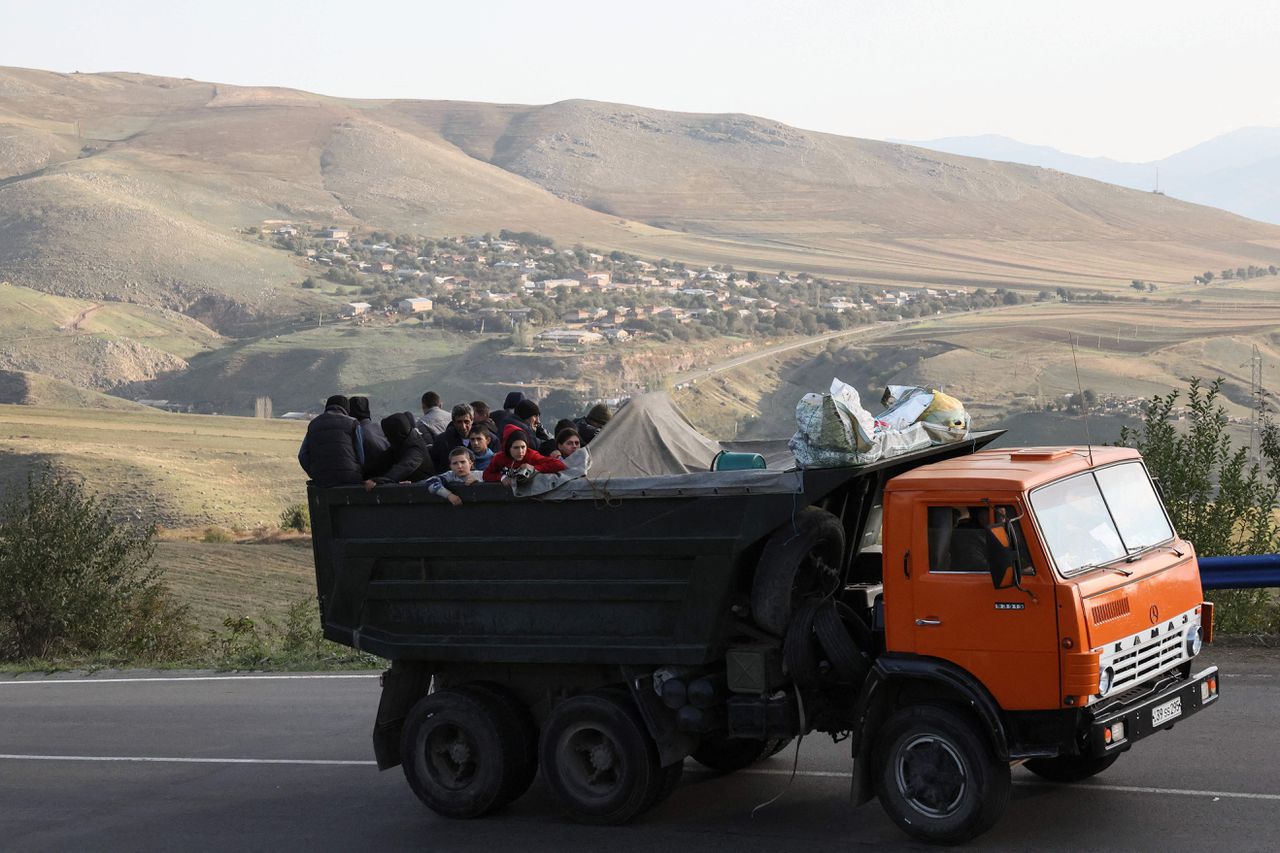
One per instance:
(1256, 396)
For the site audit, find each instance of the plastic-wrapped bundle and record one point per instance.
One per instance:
(834, 429)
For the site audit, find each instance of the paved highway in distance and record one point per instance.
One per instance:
(163, 761)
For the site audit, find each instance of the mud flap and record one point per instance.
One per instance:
(402, 686)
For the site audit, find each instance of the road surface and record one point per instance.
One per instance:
(159, 761)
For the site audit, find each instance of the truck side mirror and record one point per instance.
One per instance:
(1004, 559)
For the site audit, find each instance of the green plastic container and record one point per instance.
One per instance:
(728, 461)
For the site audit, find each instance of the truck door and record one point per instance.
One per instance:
(1007, 638)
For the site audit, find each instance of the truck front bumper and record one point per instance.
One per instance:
(1118, 725)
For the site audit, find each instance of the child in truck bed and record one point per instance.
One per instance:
(459, 474)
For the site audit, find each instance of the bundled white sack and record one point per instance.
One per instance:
(835, 430)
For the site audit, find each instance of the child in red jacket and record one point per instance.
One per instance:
(518, 461)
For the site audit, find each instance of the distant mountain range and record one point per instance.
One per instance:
(1237, 171)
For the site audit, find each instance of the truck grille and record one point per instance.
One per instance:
(1149, 653)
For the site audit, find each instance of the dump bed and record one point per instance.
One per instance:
(621, 572)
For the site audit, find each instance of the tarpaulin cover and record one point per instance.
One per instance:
(649, 437)
(649, 448)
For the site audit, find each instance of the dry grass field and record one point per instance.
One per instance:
(176, 470)
(221, 580)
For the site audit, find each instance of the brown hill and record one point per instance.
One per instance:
(126, 186)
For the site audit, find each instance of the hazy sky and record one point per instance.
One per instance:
(1128, 80)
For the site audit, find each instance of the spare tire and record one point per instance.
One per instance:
(844, 638)
(801, 559)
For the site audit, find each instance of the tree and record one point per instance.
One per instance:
(1207, 275)
(1138, 284)
(1218, 498)
(74, 581)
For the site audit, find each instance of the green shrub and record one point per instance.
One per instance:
(295, 643)
(296, 517)
(76, 582)
(1219, 497)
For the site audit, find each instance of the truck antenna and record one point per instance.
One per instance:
(1084, 406)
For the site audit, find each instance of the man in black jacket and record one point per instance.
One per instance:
(411, 459)
(377, 450)
(454, 435)
(332, 452)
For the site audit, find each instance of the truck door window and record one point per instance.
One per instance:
(964, 538)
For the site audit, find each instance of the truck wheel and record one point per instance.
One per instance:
(800, 560)
(727, 754)
(516, 718)
(599, 760)
(459, 753)
(1070, 768)
(936, 776)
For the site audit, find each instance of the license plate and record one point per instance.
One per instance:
(1170, 710)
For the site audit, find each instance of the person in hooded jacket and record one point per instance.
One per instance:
(377, 450)
(410, 457)
(332, 452)
(517, 459)
(593, 422)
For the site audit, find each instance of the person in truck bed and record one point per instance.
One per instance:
(332, 453)
(459, 474)
(411, 460)
(518, 461)
(478, 442)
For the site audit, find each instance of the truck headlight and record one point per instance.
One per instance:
(1105, 678)
(1195, 641)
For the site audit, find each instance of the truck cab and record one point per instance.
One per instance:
(1045, 589)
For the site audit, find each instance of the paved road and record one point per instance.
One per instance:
(270, 763)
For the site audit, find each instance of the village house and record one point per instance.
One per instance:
(334, 234)
(595, 279)
(354, 309)
(415, 305)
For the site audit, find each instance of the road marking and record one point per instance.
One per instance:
(150, 759)
(181, 678)
(1127, 789)
(752, 771)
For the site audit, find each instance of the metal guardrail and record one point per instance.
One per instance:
(1255, 571)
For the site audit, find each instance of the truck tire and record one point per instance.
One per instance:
(727, 754)
(459, 753)
(599, 760)
(1070, 768)
(801, 559)
(936, 775)
(799, 648)
(517, 717)
(844, 638)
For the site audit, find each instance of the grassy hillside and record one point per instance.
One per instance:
(137, 180)
(1008, 363)
(178, 470)
(93, 344)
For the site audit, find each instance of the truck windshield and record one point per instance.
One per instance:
(1099, 517)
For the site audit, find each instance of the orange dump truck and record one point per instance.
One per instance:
(954, 611)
